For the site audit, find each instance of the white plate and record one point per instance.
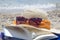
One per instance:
(18, 32)
(45, 37)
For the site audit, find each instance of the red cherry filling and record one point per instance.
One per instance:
(32, 21)
(21, 20)
(35, 21)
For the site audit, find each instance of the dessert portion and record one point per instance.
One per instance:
(34, 18)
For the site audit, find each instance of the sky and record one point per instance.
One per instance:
(12, 4)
